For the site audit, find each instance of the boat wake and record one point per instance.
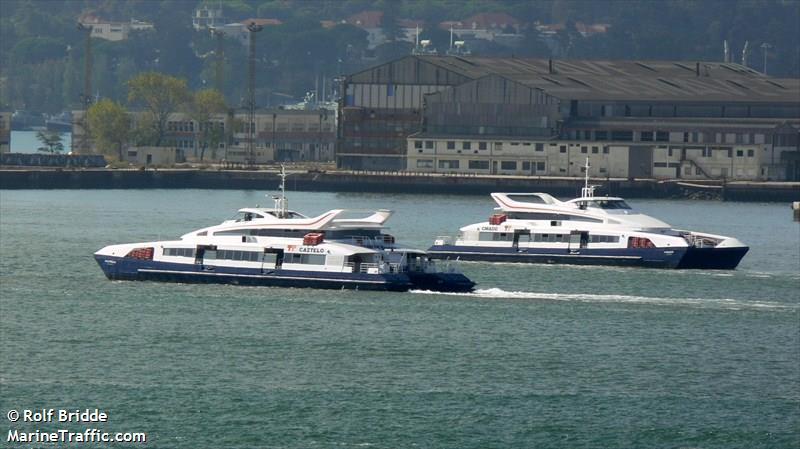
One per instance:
(726, 303)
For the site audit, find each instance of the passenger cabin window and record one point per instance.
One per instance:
(609, 204)
(306, 259)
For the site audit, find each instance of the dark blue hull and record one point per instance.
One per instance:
(441, 282)
(627, 257)
(117, 268)
(713, 258)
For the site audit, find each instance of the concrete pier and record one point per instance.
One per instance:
(389, 182)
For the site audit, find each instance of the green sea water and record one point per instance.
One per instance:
(538, 357)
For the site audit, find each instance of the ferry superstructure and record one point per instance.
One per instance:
(280, 247)
(589, 230)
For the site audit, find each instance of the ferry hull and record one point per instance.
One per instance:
(713, 258)
(639, 257)
(442, 282)
(118, 268)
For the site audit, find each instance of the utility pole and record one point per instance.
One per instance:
(765, 49)
(86, 96)
(219, 69)
(251, 95)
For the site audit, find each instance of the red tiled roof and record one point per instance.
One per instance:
(263, 22)
(487, 20)
(366, 19)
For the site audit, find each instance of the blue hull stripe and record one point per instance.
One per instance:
(259, 276)
(645, 257)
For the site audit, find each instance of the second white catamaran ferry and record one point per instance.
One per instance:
(280, 247)
(538, 228)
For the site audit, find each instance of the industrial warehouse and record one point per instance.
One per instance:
(632, 119)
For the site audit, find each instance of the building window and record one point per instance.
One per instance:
(448, 164)
(646, 136)
(601, 135)
(539, 147)
(451, 145)
(584, 149)
(605, 150)
(479, 165)
(424, 163)
(739, 153)
(563, 149)
(526, 165)
(751, 153)
(540, 166)
(621, 135)
(481, 145)
(595, 150)
(428, 144)
(466, 145)
(498, 145)
(508, 165)
(662, 136)
(418, 144)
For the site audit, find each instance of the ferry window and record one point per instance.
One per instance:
(451, 145)
(481, 145)
(428, 144)
(307, 259)
(646, 136)
(466, 145)
(418, 144)
(424, 163)
(526, 165)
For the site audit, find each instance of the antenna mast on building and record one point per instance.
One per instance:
(745, 53)
(251, 95)
(726, 57)
(765, 48)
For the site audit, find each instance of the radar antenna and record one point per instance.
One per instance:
(587, 191)
(281, 203)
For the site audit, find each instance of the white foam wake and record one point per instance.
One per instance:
(727, 303)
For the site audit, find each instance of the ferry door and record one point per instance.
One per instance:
(578, 240)
(521, 234)
(200, 253)
(272, 259)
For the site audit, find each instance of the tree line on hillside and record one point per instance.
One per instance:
(43, 52)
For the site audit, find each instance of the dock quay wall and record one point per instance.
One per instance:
(389, 182)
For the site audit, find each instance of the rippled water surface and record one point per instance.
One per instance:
(539, 356)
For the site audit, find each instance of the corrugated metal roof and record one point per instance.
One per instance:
(630, 80)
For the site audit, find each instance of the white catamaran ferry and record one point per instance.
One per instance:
(280, 247)
(538, 228)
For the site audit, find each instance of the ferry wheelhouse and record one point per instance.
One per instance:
(589, 230)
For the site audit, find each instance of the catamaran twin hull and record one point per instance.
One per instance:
(125, 268)
(700, 258)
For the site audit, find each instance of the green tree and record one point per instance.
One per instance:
(51, 141)
(161, 95)
(205, 104)
(109, 125)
